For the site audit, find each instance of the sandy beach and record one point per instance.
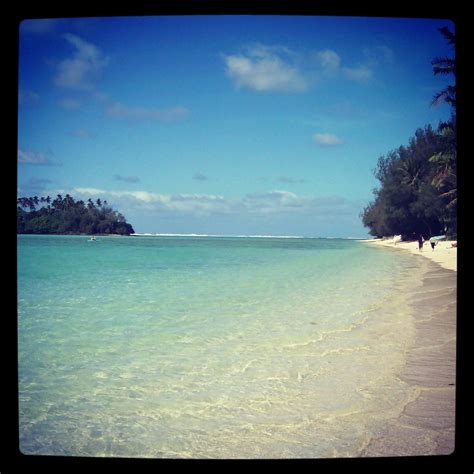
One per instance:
(444, 253)
(426, 425)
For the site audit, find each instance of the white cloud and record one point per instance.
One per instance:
(327, 139)
(329, 60)
(275, 201)
(285, 203)
(143, 196)
(330, 64)
(273, 204)
(277, 212)
(91, 191)
(82, 69)
(198, 204)
(277, 68)
(263, 68)
(121, 111)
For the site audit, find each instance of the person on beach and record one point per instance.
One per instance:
(420, 243)
(433, 244)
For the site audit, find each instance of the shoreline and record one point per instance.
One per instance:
(426, 425)
(444, 254)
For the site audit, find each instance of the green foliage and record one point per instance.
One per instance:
(67, 216)
(418, 183)
(418, 186)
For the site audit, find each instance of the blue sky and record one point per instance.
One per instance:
(268, 125)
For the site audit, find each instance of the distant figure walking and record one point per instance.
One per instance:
(420, 243)
(433, 244)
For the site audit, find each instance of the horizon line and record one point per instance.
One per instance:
(153, 234)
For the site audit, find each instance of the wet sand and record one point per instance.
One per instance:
(426, 425)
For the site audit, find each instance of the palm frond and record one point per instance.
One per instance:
(446, 95)
(449, 36)
(444, 66)
(452, 203)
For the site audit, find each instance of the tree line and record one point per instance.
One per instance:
(64, 215)
(418, 181)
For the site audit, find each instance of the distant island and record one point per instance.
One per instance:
(43, 215)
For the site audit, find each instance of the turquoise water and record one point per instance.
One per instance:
(209, 346)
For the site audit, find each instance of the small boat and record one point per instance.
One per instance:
(92, 239)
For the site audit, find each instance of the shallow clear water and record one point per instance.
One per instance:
(209, 346)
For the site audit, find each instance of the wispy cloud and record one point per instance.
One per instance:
(329, 62)
(81, 70)
(117, 110)
(360, 73)
(270, 206)
(137, 113)
(379, 54)
(35, 158)
(265, 68)
(69, 103)
(277, 68)
(27, 97)
(127, 179)
(34, 185)
(327, 139)
(331, 66)
(200, 177)
(39, 26)
(282, 202)
(190, 204)
(289, 180)
(273, 201)
(82, 133)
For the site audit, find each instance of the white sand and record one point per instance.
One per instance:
(443, 254)
(426, 426)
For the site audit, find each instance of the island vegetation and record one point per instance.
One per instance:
(418, 181)
(43, 215)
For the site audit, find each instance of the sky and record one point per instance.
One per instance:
(223, 125)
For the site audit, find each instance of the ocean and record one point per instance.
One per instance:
(210, 347)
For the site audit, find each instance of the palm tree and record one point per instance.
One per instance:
(445, 66)
(68, 201)
(412, 171)
(445, 177)
(58, 203)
